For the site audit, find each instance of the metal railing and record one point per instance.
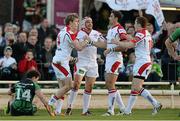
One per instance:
(170, 92)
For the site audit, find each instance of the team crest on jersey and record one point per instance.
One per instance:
(139, 35)
(81, 71)
(121, 31)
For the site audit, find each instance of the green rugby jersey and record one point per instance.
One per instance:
(24, 94)
(175, 35)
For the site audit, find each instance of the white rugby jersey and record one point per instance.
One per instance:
(143, 41)
(89, 53)
(116, 32)
(64, 45)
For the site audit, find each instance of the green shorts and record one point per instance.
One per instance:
(19, 112)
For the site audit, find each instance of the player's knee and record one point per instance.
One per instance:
(88, 88)
(136, 90)
(110, 85)
(76, 85)
(67, 88)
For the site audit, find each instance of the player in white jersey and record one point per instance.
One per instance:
(66, 41)
(86, 66)
(142, 43)
(114, 61)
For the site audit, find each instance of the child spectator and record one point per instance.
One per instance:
(8, 65)
(27, 63)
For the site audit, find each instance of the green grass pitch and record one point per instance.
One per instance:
(138, 114)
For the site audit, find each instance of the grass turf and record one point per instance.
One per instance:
(138, 114)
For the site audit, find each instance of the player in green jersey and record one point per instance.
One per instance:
(24, 92)
(173, 46)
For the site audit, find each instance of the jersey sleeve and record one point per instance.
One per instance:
(175, 35)
(79, 36)
(122, 33)
(37, 87)
(138, 37)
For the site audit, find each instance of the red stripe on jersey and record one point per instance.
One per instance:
(122, 32)
(134, 92)
(62, 69)
(143, 67)
(72, 35)
(133, 40)
(115, 66)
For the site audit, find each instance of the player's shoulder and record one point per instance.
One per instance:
(141, 33)
(95, 32)
(121, 29)
(81, 32)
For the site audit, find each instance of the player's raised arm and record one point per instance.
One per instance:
(101, 42)
(80, 45)
(170, 44)
(124, 45)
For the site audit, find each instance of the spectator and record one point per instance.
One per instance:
(32, 44)
(20, 47)
(29, 7)
(131, 30)
(10, 39)
(128, 24)
(43, 31)
(8, 28)
(33, 32)
(8, 65)
(27, 63)
(47, 54)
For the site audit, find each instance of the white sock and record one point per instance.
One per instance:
(131, 102)
(111, 100)
(147, 95)
(86, 100)
(59, 106)
(119, 101)
(52, 100)
(72, 96)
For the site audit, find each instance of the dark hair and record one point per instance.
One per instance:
(142, 21)
(30, 50)
(32, 73)
(117, 14)
(70, 18)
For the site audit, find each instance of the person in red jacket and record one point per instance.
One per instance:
(27, 63)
